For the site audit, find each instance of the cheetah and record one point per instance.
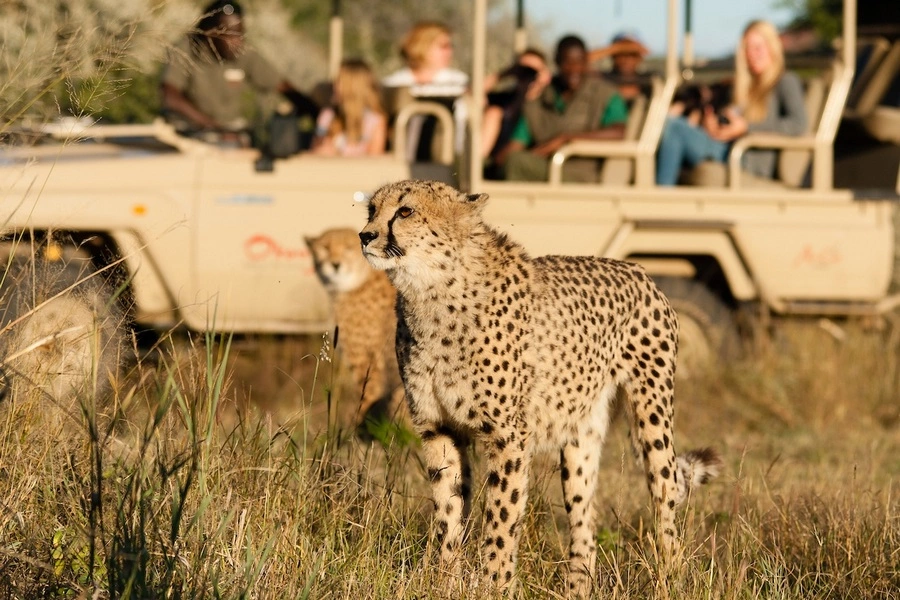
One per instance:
(521, 354)
(363, 301)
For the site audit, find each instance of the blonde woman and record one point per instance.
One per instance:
(766, 98)
(428, 52)
(356, 124)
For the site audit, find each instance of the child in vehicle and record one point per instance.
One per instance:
(355, 124)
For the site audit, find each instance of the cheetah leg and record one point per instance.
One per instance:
(448, 468)
(579, 469)
(508, 468)
(652, 411)
(371, 392)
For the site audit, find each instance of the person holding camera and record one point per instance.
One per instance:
(508, 90)
(767, 98)
(574, 106)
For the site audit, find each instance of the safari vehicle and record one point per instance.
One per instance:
(175, 232)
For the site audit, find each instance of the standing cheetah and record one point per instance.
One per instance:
(520, 354)
(363, 300)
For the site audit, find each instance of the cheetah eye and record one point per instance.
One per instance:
(404, 212)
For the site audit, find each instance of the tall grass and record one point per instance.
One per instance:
(200, 493)
(220, 468)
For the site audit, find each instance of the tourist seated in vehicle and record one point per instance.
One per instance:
(574, 106)
(428, 52)
(508, 90)
(355, 124)
(208, 73)
(767, 98)
(627, 52)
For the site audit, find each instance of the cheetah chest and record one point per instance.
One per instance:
(473, 356)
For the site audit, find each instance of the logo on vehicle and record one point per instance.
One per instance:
(825, 256)
(261, 247)
(245, 199)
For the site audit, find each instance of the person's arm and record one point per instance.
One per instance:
(622, 46)
(265, 77)
(612, 132)
(377, 136)
(323, 143)
(490, 80)
(791, 118)
(173, 99)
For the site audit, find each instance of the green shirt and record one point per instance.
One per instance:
(616, 113)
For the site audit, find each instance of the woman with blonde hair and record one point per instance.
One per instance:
(355, 124)
(428, 52)
(767, 98)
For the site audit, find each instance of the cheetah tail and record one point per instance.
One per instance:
(698, 467)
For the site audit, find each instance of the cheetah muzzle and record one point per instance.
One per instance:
(521, 354)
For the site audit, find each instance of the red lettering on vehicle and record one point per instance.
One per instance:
(261, 247)
(818, 257)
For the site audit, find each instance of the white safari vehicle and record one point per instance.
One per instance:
(137, 225)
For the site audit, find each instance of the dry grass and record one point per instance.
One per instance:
(224, 468)
(202, 493)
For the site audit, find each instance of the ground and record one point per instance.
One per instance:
(808, 506)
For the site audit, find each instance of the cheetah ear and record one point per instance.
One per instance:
(476, 201)
(309, 240)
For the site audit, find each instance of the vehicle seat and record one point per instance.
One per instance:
(879, 105)
(619, 170)
(422, 134)
(428, 131)
(869, 55)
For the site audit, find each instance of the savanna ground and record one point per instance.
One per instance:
(232, 473)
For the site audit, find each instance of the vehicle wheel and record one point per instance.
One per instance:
(707, 333)
(67, 343)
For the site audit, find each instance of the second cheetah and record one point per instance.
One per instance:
(363, 301)
(518, 354)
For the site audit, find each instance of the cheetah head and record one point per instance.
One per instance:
(337, 259)
(417, 226)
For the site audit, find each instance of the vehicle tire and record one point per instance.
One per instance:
(707, 330)
(66, 342)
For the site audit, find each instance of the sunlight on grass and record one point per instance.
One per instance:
(195, 491)
(206, 466)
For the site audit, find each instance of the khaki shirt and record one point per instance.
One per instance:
(583, 112)
(217, 87)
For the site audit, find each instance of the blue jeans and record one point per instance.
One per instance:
(683, 144)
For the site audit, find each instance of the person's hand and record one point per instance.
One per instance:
(619, 47)
(734, 126)
(629, 47)
(549, 147)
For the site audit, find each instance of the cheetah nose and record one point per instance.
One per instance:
(367, 236)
